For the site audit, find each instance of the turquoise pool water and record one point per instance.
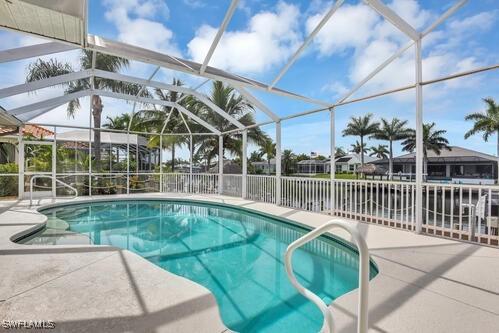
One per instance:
(236, 254)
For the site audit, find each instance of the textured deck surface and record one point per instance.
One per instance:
(425, 284)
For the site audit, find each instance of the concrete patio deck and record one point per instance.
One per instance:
(425, 284)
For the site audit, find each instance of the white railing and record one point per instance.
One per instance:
(446, 207)
(232, 185)
(362, 313)
(448, 211)
(53, 192)
(205, 183)
(306, 193)
(383, 202)
(261, 188)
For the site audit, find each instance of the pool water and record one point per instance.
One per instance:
(236, 254)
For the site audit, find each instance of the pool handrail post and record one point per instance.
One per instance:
(362, 314)
(53, 194)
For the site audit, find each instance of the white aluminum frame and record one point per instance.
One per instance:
(241, 84)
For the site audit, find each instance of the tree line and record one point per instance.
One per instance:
(153, 120)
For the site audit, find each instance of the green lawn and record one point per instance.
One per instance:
(338, 176)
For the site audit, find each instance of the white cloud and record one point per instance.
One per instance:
(335, 87)
(338, 33)
(194, 3)
(268, 40)
(374, 40)
(137, 23)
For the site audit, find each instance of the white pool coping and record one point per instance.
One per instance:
(425, 284)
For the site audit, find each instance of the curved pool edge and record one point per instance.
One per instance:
(193, 288)
(294, 223)
(25, 233)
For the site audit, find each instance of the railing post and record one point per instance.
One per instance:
(220, 164)
(278, 162)
(332, 170)
(419, 139)
(244, 160)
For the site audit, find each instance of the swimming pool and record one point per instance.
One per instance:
(236, 253)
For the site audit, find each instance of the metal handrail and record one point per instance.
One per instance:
(53, 192)
(362, 323)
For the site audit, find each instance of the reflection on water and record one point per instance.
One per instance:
(237, 255)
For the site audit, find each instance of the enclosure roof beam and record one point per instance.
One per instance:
(32, 115)
(194, 89)
(147, 100)
(307, 41)
(151, 57)
(138, 94)
(37, 50)
(44, 83)
(172, 87)
(197, 119)
(400, 51)
(255, 101)
(166, 121)
(223, 26)
(185, 122)
(393, 18)
(52, 102)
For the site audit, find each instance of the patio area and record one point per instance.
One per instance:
(425, 284)
(435, 244)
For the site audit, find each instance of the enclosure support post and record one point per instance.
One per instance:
(127, 162)
(220, 163)
(54, 163)
(419, 139)
(90, 149)
(278, 162)
(244, 162)
(191, 188)
(92, 86)
(20, 163)
(332, 166)
(161, 162)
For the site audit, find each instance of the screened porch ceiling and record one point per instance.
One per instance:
(64, 22)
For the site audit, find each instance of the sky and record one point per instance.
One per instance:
(263, 35)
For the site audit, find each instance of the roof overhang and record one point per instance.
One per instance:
(55, 19)
(6, 119)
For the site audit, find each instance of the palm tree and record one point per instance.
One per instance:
(486, 122)
(339, 152)
(288, 159)
(432, 140)
(256, 156)
(361, 126)
(391, 131)
(268, 149)
(226, 98)
(153, 121)
(357, 148)
(42, 69)
(380, 151)
(121, 122)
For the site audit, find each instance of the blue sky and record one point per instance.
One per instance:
(263, 34)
